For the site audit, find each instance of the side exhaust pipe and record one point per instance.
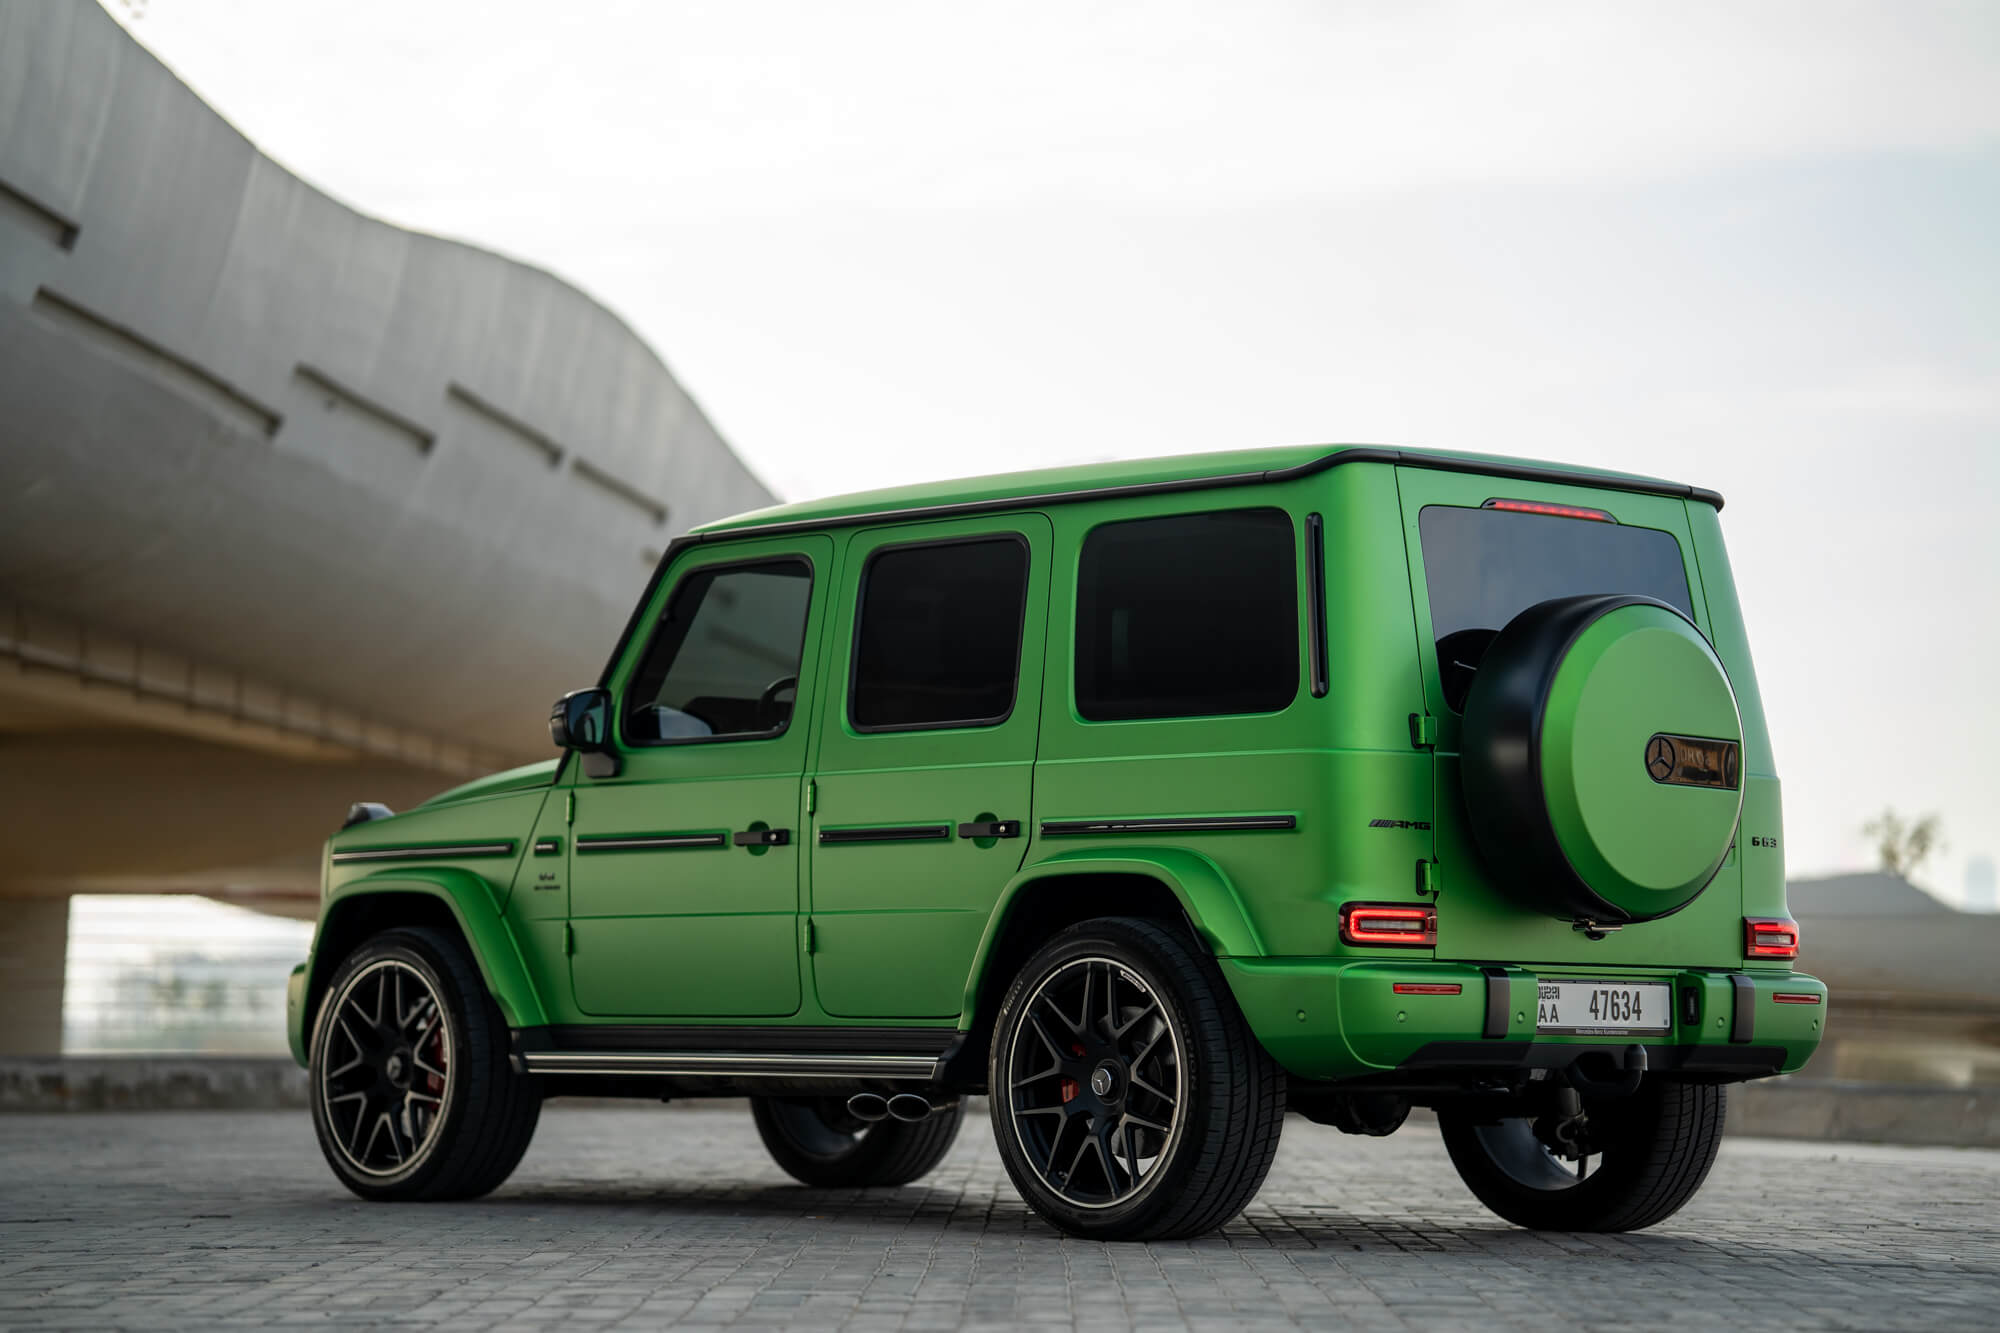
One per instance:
(910, 1107)
(872, 1106)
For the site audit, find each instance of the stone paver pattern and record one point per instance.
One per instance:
(650, 1216)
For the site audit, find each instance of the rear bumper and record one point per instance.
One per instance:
(1334, 1019)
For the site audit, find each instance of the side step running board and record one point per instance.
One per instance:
(734, 1064)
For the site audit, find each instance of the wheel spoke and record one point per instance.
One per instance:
(1077, 1160)
(1145, 1011)
(1048, 1003)
(1062, 1056)
(1055, 1143)
(347, 1097)
(1131, 1151)
(1144, 1123)
(1041, 1110)
(1089, 994)
(1106, 1159)
(1145, 1086)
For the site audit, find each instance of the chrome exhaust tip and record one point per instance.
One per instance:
(909, 1107)
(870, 1106)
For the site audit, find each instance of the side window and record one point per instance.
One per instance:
(1195, 615)
(724, 660)
(937, 642)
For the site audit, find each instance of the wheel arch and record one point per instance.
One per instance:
(1184, 890)
(447, 899)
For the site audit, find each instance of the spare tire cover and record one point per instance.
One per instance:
(1602, 759)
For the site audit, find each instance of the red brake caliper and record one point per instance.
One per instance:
(1070, 1087)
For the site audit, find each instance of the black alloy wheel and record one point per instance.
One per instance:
(412, 1093)
(388, 1068)
(1130, 1100)
(1098, 1082)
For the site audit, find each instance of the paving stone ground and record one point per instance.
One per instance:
(643, 1217)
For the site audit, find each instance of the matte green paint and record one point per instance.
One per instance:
(903, 933)
(701, 932)
(527, 776)
(923, 905)
(1648, 847)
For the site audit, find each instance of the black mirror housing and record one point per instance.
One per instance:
(581, 720)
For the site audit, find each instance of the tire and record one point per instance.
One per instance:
(1656, 1148)
(412, 1093)
(1161, 1118)
(819, 1144)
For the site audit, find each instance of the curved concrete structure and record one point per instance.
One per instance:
(247, 427)
(296, 507)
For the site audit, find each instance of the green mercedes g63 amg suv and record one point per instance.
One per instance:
(1149, 799)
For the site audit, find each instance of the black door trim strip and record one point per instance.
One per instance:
(650, 842)
(1074, 828)
(435, 852)
(900, 833)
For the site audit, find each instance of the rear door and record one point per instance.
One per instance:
(926, 758)
(1479, 555)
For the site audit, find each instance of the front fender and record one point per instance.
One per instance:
(474, 903)
(1204, 891)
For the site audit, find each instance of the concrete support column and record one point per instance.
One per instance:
(34, 939)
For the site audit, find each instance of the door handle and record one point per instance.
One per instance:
(763, 837)
(991, 828)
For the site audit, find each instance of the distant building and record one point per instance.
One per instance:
(1980, 894)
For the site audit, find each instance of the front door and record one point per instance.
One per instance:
(926, 760)
(684, 867)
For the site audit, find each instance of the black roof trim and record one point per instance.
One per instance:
(1359, 454)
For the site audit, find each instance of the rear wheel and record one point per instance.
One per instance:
(1130, 1100)
(412, 1094)
(818, 1143)
(1644, 1157)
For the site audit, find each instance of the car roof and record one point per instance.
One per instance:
(1178, 472)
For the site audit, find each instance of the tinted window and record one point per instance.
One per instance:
(724, 661)
(1483, 567)
(1190, 616)
(939, 639)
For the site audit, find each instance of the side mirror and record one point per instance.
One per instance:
(581, 721)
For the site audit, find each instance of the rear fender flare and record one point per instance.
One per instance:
(1206, 894)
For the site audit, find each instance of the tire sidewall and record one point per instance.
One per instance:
(1134, 952)
(415, 952)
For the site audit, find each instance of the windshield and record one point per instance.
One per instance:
(1483, 567)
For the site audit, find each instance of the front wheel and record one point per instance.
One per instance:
(412, 1094)
(1130, 1100)
(1645, 1157)
(818, 1143)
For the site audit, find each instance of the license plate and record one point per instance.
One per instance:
(1604, 1006)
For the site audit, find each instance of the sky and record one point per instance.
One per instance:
(1751, 247)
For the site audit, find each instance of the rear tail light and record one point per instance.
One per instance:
(1770, 937)
(1551, 511)
(1428, 988)
(1389, 923)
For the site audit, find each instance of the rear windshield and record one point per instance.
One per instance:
(1485, 566)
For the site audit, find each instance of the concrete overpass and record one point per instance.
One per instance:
(295, 506)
